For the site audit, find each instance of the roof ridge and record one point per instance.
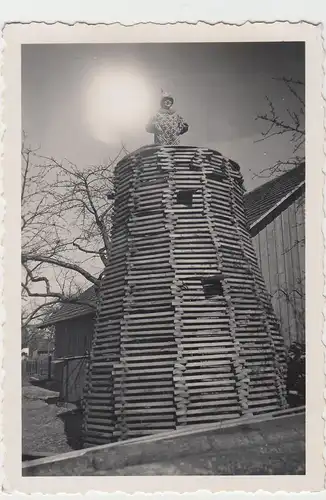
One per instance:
(266, 184)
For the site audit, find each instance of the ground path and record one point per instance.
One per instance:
(43, 431)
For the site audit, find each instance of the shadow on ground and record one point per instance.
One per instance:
(73, 426)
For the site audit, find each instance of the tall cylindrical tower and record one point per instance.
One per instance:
(185, 330)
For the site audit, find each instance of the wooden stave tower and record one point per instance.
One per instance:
(185, 330)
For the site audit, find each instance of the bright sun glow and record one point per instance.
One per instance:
(117, 104)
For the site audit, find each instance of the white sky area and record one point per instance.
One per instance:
(80, 101)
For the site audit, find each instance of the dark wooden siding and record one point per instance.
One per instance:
(281, 254)
(73, 337)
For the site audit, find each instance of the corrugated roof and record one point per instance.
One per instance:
(258, 203)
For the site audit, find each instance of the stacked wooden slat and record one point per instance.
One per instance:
(143, 387)
(99, 419)
(208, 347)
(266, 359)
(185, 331)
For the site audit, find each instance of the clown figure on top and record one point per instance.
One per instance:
(167, 125)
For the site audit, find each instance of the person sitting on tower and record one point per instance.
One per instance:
(167, 125)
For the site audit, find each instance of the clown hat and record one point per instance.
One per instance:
(166, 96)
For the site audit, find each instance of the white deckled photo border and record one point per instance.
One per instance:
(15, 35)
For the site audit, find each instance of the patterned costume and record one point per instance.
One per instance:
(167, 125)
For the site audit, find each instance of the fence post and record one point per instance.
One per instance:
(49, 367)
(66, 381)
(24, 369)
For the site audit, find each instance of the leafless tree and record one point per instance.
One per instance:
(65, 227)
(285, 120)
(31, 335)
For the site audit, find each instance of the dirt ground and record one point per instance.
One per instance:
(50, 429)
(47, 427)
(281, 459)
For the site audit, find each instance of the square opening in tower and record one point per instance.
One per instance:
(185, 197)
(217, 176)
(212, 285)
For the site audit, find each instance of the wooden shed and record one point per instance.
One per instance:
(73, 330)
(73, 325)
(276, 213)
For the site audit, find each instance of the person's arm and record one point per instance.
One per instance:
(183, 126)
(151, 126)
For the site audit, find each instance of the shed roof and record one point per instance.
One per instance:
(69, 311)
(266, 202)
(262, 205)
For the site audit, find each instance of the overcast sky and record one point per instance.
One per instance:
(218, 89)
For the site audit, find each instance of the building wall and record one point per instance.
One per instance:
(281, 254)
(73, 337)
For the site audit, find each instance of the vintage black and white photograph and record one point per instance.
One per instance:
(163, 243)
(163, 258)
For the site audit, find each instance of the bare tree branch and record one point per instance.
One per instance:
(66, 228)
(285, 122)
(34, 314)
(57, 262)
(61, 298)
